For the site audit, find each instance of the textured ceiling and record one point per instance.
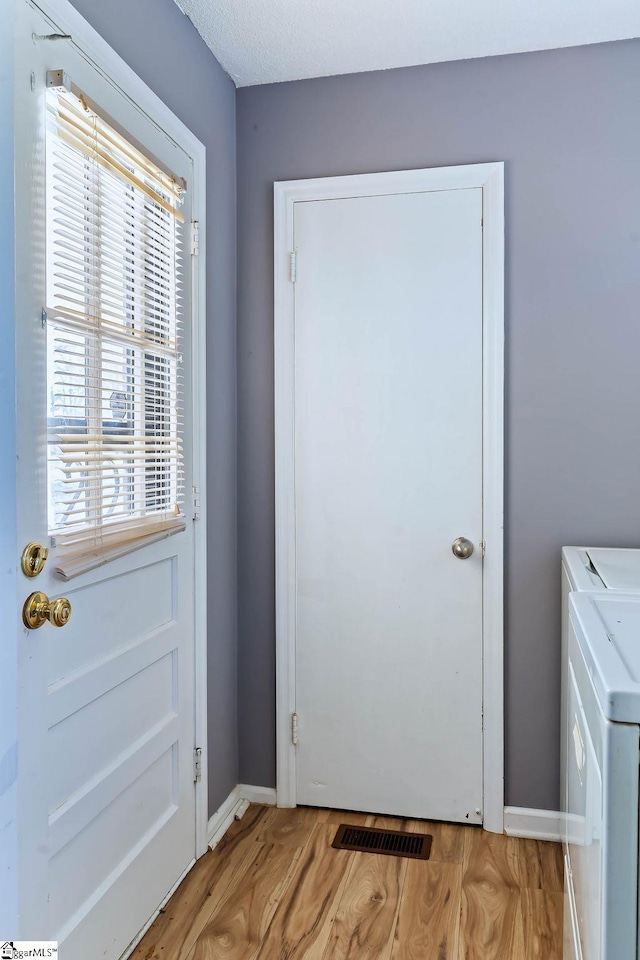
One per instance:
(265, 41)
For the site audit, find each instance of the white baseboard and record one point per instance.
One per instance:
(224, 816)
(535, 824)
(266, 795)
(234, 807)
(518, 821)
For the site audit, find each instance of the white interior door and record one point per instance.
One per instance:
(388, 473)
(106, 702)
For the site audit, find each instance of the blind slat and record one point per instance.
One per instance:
(86, 560)
(75, 110)
(89, 324)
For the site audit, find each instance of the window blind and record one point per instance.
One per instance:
(114, 382)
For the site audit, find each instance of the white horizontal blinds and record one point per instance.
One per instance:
(115, 391)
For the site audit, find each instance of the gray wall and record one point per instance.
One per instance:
(567, 123)
(163, 47)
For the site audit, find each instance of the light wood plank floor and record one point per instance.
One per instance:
(275, 889)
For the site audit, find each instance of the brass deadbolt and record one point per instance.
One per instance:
(34, 557)
(38, 609)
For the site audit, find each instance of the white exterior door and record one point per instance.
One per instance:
(388, 302)
(106, 794)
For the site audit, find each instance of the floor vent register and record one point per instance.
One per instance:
(393, 843)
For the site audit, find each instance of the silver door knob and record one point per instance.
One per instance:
(462, 548)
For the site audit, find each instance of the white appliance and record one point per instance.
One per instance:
(601, 776)
(611, 570)
(591, 569)
(598, 568)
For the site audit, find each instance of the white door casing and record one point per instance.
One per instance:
(299, 538)
(112, 705)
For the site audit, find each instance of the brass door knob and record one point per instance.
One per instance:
(462, 548)
(38, 609)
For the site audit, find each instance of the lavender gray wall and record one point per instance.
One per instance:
(163, 47)
(567, 123)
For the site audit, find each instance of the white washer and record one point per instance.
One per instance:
(598, 568)
(614, 570)
(590, 569)
(602, 782)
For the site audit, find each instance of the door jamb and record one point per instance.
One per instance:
(490, 178)
(88, 41)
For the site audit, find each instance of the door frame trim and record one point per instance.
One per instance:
(105, 59)
(490, 178)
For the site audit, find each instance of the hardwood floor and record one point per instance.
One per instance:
(275, 889)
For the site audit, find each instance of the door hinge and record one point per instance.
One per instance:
(483, 548)
(294, 729)
(196, 502)
(195, 238)
(293, 266)
(197, 764)
(44, 316)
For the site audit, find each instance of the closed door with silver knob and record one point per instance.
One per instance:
(388, 474)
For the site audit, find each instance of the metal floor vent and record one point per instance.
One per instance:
(393, 843)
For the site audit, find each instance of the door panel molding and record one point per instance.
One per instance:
(490, 178)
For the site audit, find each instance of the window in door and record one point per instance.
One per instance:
(114, 386)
